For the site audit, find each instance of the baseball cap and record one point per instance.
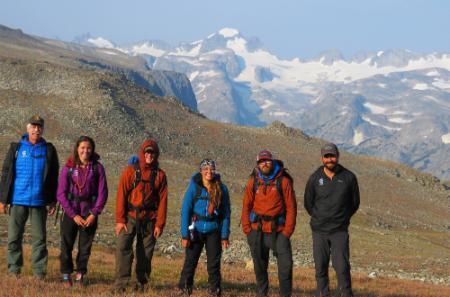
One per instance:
(36, 120)
(329, 149)
(264, 155)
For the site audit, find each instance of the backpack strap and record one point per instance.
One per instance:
(138, 179)
(15, 146)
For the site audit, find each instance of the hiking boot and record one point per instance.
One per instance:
(79, 279)
(140, 287)
(214, 292)
(39, 277)
(15, 274)
(67, 280)
(187, 291)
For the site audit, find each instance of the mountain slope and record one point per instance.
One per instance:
(404, 217)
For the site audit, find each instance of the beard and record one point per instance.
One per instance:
(330, 165)
(266, 170)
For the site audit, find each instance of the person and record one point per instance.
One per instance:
(205, 221)
(141, 209)
(82, 193)
(268, 219)
(331, 199)
(28, 185)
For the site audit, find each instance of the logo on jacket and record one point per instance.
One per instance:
(321, 181)
(24, 154)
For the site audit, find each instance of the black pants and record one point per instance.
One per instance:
(260, 245)
(69, 232)
(213, 246)
(336, 245)
(145, 245)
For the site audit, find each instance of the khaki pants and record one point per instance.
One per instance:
(16, 227)
(145, 246)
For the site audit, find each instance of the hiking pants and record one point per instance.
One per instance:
(260, 245)
(213, 246)
(16, 227)
(145, 245)
(69, 231)
(336, 245)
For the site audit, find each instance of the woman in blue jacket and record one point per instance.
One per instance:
(205, 221)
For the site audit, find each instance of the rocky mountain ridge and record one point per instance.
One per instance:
(394, 104)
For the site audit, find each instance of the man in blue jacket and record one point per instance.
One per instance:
(28, 185)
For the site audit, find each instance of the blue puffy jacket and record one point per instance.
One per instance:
(198, 206)
(29, 181)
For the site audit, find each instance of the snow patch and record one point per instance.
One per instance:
(279, 113)
(375, 109)
(373, 123)
(228, 32)
(109, 52)
(446, 138)
(433, 73)
(399, 112)
(101, 42)
(210, 73)
(267, 104)
(193, 75)
(358, 137)
(441, 84)
(382, 85)
(421, 87)
(399, 120)
(147, 49)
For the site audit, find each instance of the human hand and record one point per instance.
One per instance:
(3, 208)
(119, 227)
(51, 208)
(79, 221)
(157, 232)
(89, 220)
(185, 243)
(225, 243)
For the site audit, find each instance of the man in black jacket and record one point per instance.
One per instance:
(28, 185)
(331, 199)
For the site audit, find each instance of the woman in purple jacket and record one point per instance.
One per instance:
(82, 193)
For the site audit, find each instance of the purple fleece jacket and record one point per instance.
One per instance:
(85, 205)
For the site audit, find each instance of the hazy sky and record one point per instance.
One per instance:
(292, 28)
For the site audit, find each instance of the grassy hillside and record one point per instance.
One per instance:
(402, 228)
(237, 281)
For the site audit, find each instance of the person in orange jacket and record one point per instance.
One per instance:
(141, 209)
(268, 219)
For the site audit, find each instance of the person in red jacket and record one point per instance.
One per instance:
(268, 219)
(141, 209)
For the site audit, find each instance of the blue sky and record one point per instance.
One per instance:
(287, 28)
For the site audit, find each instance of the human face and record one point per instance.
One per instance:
(330, 161)
(149, 156)
(34, 133)
(265, 166)
(207, 173)
(84, 151)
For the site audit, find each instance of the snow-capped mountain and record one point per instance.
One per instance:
(393, 103)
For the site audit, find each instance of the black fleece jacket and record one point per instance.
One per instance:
(331, 202)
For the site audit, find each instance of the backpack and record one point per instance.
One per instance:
(197, 197)
(280, 218)
(138, 179)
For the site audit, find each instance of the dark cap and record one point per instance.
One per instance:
(36, 120)
(264, 155)
(329, 149)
